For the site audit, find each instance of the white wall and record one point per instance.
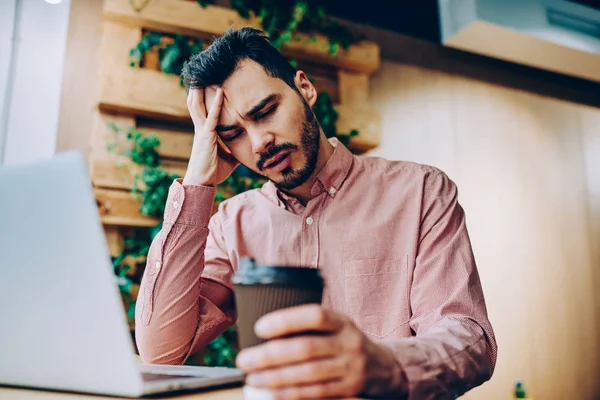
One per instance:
(528, 176)
(31, 90)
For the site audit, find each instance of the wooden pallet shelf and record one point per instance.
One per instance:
(188, 18)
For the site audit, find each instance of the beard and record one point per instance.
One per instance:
(311, 132)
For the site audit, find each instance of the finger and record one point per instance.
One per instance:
(215, 111)
(335, 388)
(200, 94)
(293, 320)
(287, 351)
(298, 374)
(195, 102)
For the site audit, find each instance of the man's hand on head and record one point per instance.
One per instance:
(315, 353)
(210, 163)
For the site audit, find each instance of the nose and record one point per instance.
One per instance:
(260, 140)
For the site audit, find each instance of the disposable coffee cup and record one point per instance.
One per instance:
(261, 289)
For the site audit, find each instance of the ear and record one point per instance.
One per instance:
(306, 88)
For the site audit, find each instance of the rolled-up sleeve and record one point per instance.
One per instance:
(177, 310)
(454, 348)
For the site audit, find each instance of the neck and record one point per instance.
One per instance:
(302, 192)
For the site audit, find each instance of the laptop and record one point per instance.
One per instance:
(62, 322)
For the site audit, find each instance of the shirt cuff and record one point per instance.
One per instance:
(189, 204)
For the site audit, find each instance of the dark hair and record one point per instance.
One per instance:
(215, 64)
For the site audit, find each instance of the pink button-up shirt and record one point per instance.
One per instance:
(389, 238)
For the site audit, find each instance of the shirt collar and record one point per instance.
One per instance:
(329, 179)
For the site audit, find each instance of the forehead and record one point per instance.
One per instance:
(247, 86)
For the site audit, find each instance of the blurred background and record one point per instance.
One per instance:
(503, 95)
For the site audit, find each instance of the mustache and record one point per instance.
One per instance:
(273, 151)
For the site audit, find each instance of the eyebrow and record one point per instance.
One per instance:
(252, 113)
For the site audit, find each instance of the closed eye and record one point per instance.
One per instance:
(235, 135)
(266, 114)
(258, 118)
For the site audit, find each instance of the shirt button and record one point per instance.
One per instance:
(309, 221)
(176, 205)
(157, 266)
(332, 190)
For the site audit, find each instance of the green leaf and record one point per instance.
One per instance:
(241, 8)
(123, 272)
(334, 49)
(154, 231)
(286, 37)
(204, 3)
(125, 286)
(169, 58)
(110, 147)
(113, 126)
(131, 310)
(118, 260)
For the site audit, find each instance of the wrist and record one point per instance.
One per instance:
(196, 180)
(385, 376)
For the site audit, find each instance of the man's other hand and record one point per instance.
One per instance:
(315, 353)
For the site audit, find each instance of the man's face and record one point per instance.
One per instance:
(268, 126)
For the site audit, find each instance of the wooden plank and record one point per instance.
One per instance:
(117, 42)
(173, 143)
(366, 121)
(120, 208)
(177, 16)
(120, 173)
(361, 57)
(108, 144)
(113, 173)
(143, 92)
(354, 89)
(104, 137)
(114, 240)
(119, 83)
(355, 111)
(188, 18)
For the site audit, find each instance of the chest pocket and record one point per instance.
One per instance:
(377, 294)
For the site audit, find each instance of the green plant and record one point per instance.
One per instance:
(520, 391)
(281, 19)
(172, 53)
(328, 116)
(135, 249)
(220, 352)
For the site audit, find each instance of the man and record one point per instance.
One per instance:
(403, 312)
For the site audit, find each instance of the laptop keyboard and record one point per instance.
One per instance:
(151, 377)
